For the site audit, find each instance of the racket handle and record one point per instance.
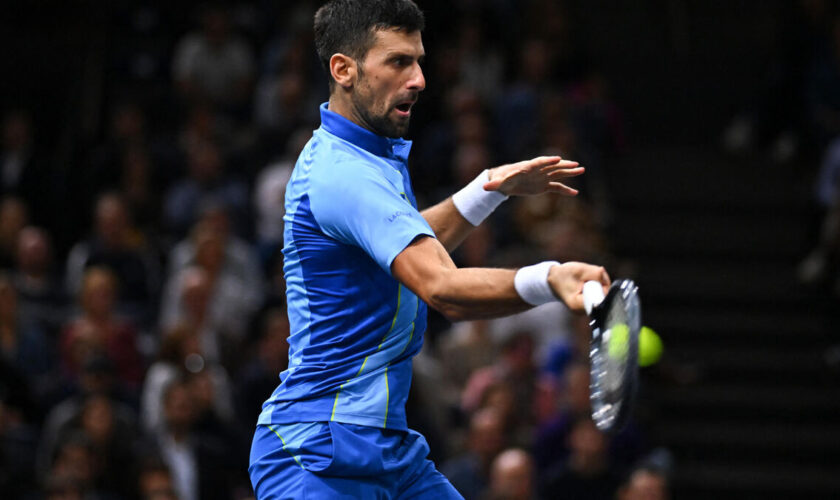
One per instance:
(593, 294)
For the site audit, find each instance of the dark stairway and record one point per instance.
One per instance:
(716, 241)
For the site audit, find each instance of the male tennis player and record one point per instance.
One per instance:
(361, 263)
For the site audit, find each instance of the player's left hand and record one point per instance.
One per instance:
(536, 176)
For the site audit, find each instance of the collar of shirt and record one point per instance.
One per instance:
(343, 128)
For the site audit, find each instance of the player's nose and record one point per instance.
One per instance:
(418, 80)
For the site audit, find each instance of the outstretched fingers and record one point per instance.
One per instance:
(561, 173)
(559, 187)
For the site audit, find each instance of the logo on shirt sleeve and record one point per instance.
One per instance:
(398, 213)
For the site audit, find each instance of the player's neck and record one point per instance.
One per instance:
(343, 106)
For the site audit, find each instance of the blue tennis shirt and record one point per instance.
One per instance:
(350, 211)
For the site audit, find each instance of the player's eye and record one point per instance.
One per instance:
(403, 61)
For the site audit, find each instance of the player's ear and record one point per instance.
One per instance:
(343, 70)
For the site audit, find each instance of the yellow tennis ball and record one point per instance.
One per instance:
(650, 347)
(617, 344)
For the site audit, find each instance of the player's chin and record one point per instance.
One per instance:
(399, 125)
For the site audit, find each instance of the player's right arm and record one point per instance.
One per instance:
(426, 269)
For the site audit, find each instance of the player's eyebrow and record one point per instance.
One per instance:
(396, 54)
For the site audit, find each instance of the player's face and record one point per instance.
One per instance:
(390, 81)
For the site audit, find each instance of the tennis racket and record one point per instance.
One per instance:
(613, 351)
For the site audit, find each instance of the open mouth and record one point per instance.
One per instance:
(404, 108)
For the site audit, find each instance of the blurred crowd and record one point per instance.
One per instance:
(142, 301)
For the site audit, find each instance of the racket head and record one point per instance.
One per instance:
(614, 353)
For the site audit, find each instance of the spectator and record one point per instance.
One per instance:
(73, 469)
(645, 483)
(238, 261)
(97, 331)
(119, 247)
(469, 472)
(155, 481)
(512, 476)
(180, 354)
(200, 465)
(552, 438)
(514, 370)
(113, 437)
(24, 345)
(260, 376)
(467, 348)
(42, 298)
(206, 181)
(213, 65)
(211, 298)
(587, 474)
(270, 197)
(97, 379)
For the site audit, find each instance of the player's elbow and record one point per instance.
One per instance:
(450, 311)
(443, 302)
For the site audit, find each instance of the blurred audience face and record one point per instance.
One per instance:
(13, 218)
(487, 435)
(98, 419)
(535, 61)
(216, 218)
(587, 448)
(156, 484)
(99, 293)
(178, 407)
(203, 392)
(501, 398)
(209, 248)
(204, 162)
(112, 221)
(75, 461)
(512, 476)
(34, 255)
(645, 485)
(195, 292)
(519, 354)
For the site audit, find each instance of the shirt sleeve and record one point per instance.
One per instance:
(357, 205)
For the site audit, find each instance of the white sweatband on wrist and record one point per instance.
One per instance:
(474, 203)
(531, 283)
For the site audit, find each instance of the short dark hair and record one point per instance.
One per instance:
(348, 26)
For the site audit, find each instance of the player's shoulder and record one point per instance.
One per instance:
(336, 164)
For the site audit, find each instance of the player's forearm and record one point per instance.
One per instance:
(475, 293)
(450, 227)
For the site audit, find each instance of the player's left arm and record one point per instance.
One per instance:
(530, 177)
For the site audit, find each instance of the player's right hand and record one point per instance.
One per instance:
(567, 279)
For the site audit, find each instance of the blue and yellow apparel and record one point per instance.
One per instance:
(350, 211)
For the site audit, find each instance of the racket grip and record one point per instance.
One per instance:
(593, 294)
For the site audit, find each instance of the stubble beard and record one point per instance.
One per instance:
(375, 120)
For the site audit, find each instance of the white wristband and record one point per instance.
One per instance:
(474, 203)
(531, 283)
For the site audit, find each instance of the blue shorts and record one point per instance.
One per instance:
(332, 460)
